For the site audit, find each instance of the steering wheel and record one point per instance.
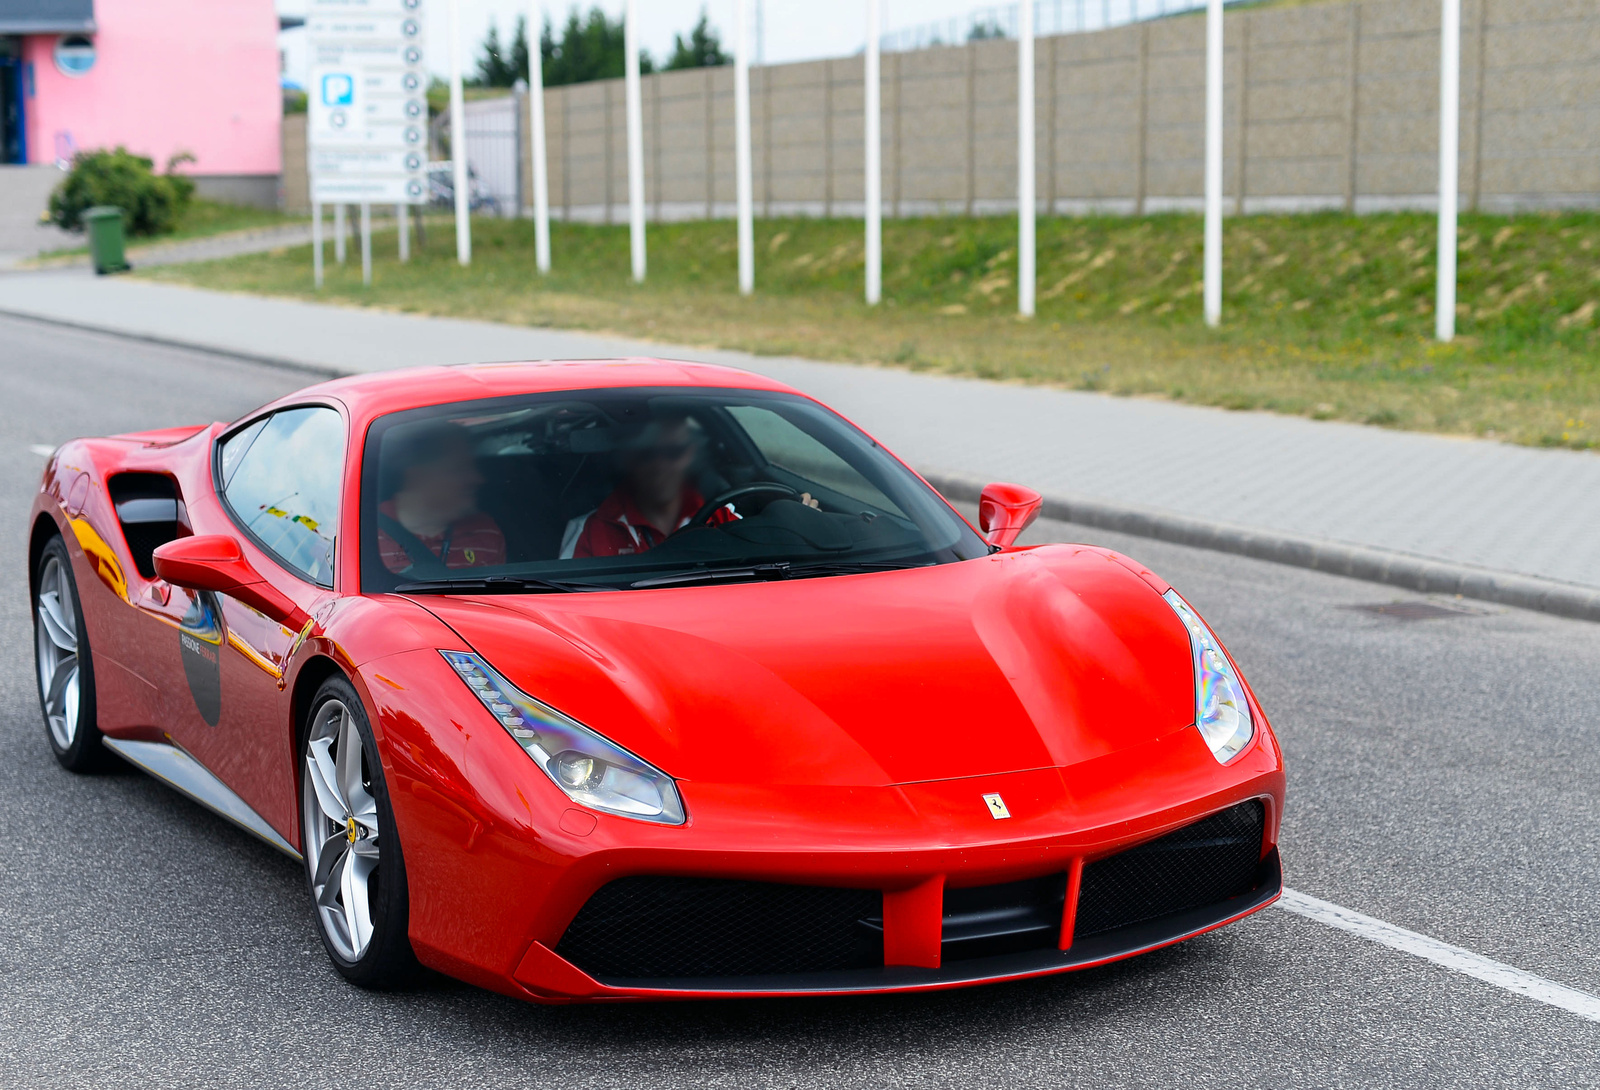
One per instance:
(722, 499)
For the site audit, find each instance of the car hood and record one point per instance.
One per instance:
(1030, 659)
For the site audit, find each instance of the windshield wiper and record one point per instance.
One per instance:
(716, 575)
(782, 569)
(849, 567)
(495, 584)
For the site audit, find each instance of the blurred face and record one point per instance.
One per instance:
(656, 472)
(447, 487)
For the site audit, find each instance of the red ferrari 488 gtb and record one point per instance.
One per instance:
(647, 680)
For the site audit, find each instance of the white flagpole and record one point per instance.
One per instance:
(630, 39)
(541, 168)
(340, 230)
(1449, 165)
(402, 219)
(1213, 243)
(1026, 201)
(458, 141)
(874, 155)
(741, 139)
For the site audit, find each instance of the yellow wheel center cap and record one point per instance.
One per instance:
(351, 829)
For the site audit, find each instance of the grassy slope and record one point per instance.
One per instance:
(1327, 316)
(205, 217)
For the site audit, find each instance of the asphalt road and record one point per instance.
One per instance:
(1443, 776)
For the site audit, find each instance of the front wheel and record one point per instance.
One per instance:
(64, 668)
(354, 868)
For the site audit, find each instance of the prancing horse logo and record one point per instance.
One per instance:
(997, 806)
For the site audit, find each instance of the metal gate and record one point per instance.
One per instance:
(494, 154)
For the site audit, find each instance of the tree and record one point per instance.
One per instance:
(500, 67)
(702, 50)
(984, 31)
(590, 47)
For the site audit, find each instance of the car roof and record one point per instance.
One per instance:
(372, 395)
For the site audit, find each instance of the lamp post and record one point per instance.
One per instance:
(874, 155)
(1449, 166)
(1213, 243)
(541, 168)
(458, 141)
(630, 39)
(1026, 209)
(741, 141)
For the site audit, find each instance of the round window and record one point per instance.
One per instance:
(74, 55)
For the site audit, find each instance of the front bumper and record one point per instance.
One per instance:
(500, 864)
(550, 978)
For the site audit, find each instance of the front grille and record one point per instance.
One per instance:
(1201, 864)
(983, 921)
(654, 926)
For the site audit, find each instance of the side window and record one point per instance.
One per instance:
(280, 477)
(783, 444)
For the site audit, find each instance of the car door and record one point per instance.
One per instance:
(280, 480)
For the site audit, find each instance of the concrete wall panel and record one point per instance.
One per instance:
(949, 125)
(1326, 58)
(1567, 42)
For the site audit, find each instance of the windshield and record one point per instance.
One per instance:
(624, 489)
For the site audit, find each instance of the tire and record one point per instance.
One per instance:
(354, 868)
(63, 665)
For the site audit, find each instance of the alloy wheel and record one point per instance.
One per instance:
(340, 813)
(56, 650)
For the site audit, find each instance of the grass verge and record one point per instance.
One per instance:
(1327, 316)
(204, 218)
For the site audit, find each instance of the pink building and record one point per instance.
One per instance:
(160, 77)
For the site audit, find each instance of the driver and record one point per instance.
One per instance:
(431, 515)
(654, 498)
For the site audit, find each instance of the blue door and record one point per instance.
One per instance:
(13, 142)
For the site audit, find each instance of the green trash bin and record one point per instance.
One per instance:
(103, 223)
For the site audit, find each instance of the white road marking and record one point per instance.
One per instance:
(1481, 968)
(41, 450)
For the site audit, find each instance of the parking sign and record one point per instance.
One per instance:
(368, 123)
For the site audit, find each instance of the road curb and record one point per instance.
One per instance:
(1394, 569)
(264, 360)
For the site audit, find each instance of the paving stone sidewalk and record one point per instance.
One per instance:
(24, 193)
(143, 255)
(1505, 508)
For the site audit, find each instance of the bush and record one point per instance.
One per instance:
(151, 203)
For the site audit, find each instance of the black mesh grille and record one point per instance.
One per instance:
(1210, 861)
(651, 926)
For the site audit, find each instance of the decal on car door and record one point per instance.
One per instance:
(200, 636)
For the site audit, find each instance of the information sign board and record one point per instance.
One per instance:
(367, 127)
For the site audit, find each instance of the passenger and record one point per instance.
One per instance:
(431, 515)
(653, 500)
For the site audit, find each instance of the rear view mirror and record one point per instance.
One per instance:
(215, 562)
(1005, 510)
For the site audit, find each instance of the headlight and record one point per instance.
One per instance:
(1221, 710)
(591, 770)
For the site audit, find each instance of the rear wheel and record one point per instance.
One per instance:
(64, 668)
(354, 867)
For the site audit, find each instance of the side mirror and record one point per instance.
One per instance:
(215, 562)
(1005, 510)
